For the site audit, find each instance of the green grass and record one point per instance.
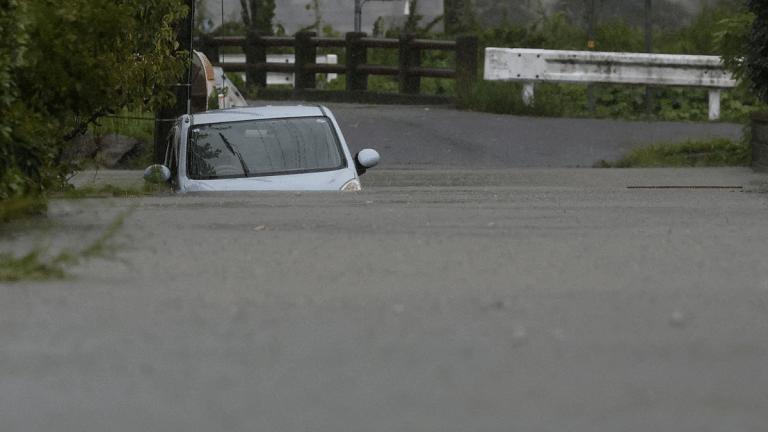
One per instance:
(506, 98)
(132, 123)
(19, 208)
(717, 152)
(29, 267)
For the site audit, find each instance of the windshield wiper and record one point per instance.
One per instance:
(236, 153)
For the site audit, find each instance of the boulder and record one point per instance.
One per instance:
(113, 147)
(81, 147)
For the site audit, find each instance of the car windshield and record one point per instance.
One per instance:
(262, 147)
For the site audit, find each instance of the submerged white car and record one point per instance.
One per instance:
(270, 148)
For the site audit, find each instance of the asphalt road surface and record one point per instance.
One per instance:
(437, 299)
(440, 135)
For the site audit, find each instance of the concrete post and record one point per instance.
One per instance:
(528, 88)
(714, 104)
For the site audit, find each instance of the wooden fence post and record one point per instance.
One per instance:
(357, 54)
(306, 53)
(409, 57)
(466, 61)
(255, 53)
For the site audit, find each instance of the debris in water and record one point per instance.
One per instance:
(677, 319)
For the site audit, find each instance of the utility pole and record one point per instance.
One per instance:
(591, 47)
(166, 116)
(649, 50)
(358, 15)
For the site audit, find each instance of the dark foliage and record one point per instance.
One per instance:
(756, 59)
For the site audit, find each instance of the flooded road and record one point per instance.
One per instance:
(433, 300)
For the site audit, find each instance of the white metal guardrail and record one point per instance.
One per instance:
(279, 77)
(532, 65)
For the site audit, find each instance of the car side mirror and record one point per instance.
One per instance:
(366, 159)
(157, 174)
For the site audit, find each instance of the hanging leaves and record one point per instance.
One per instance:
(64, 63)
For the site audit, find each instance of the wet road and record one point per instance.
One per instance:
(434, 300)
(406, 135)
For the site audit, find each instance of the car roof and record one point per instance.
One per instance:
(257, 113)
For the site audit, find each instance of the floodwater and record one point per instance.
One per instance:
(433, 300)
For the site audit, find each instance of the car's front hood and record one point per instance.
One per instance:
(318, 181)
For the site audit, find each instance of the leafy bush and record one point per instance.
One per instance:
(618, 36)
(701, 37)
(557, 33)
(756, 42)
(64, 65)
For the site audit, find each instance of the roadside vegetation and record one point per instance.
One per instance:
(690, 153)
(134, 123)
(39, 265)
(65, 66)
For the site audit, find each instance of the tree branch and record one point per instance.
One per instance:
(83, 126)
(244, 13)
